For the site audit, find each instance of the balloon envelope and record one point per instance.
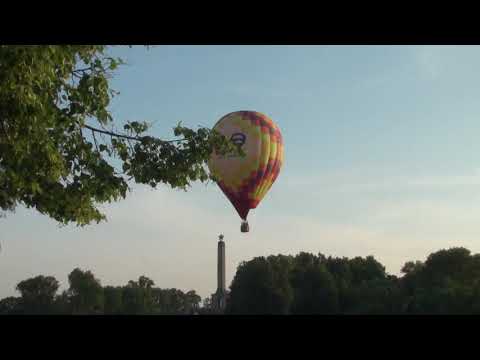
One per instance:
(246, 179)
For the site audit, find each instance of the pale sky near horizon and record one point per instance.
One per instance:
(381, 158)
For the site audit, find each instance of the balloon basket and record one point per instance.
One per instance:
(244, 227)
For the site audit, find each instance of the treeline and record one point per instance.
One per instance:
(85, 295)
(448, 282)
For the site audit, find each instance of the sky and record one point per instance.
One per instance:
(382, 158)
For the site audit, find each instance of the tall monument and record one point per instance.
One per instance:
(221, 265)
(220, 295)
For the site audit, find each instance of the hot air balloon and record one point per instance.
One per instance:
(246, 179)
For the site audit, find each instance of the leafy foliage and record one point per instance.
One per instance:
(85, 292)
(315, 288)
(447, 282)
(10, 305)
(38, 294)
(58, 143)
(258, 289)
(86, 296)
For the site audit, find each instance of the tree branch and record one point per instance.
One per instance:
(95, 140)
(82, 70)
(135, 138)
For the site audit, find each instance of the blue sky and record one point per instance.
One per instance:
(381, 158)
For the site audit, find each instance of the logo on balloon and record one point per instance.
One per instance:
(238, 139)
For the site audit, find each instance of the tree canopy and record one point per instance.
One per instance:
(60, 145)
(38, 294)
(447, 282)
(86, 296)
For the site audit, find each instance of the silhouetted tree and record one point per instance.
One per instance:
(10, 306)
(315, 291)
(85, 292)
(113, 304)
(256, 289)
(37, 294)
